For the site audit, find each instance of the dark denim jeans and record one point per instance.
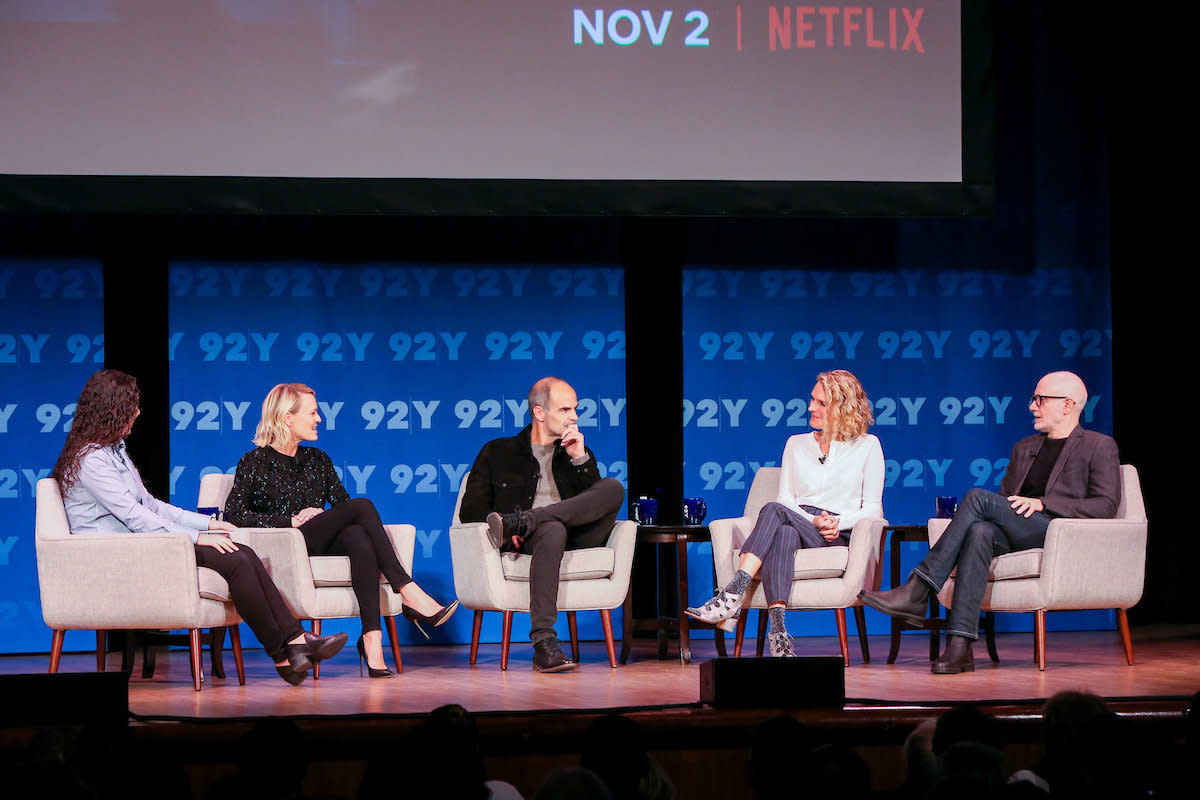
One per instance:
(985, 526)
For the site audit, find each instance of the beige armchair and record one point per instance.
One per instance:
(1085, 563)
(316, 587)
(123, 581)
(828, 577)
(591, 579)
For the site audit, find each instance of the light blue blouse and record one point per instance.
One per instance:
(109, 497)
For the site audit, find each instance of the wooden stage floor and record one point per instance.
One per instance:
(1168, 668)
(529, 723)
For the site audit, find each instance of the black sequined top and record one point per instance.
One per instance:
(270, 487)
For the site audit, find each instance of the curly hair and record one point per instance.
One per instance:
(848, 409)
(282, 400)
(107, 404)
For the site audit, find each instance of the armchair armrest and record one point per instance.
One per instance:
(404, 542)
(862, 562)
(285, 555)
(623, 540)
(118, 580)
(1094, 563)
(727, 535)
(478, 575)
(937, 526)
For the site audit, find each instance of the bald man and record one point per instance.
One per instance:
(541, 494)
(1061, 471)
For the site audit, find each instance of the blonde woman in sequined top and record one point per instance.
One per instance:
(285, 484)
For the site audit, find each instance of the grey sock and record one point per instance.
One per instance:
(741, 579)
(775, 619)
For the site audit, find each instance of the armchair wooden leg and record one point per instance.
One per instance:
(194, 652)
(762, 632)
(989, 634)
(216, 648)
(573, 629)
(843, 640)
(606, 623)
(860, 623)
(149, 656)
(1123, 627)
(395, 640)
(1039, 638)
(56, 645)
(316, 670)
(235, 644)
(476, 627)
(505, 638)
(740, 633)
(101, 649)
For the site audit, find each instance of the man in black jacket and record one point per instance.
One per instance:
(541, 494)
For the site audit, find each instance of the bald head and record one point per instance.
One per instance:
(1060, 398)
(552, 404)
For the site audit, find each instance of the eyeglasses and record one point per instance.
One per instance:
(1038, 399)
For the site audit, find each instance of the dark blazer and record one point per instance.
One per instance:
(505, 474)
(1085, 481)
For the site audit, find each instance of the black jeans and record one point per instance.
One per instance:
(985, 526)
(255, 596)
(353, 529)
(585, 520)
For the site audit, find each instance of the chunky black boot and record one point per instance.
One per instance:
(957, 658)
(909, 600)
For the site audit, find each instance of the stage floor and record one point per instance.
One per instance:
(1168, 667)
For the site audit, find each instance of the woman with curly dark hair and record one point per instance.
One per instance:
(103, 493)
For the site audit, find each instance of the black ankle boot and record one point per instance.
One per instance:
(549, 657)
(508, 531)
(957, 658)
(909, 600)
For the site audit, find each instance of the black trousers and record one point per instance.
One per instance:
(585, 520)
(255, 597)
(353, 529)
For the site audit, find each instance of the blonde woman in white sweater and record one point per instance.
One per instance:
(830, 479)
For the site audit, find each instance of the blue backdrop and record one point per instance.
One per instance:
(51, 340)
(415, 368)
(948, 358)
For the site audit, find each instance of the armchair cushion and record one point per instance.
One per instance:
(213, 586)
(577, 565)
(332, 571)
(824, 562)
(1014, 566)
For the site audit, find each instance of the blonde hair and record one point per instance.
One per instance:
(284, 399)
(848, 410)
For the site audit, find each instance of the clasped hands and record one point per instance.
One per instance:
(827, 526)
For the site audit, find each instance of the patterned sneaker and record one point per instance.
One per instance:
(781, 645)
(723, 606)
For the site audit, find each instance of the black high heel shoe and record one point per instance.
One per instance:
(371, 671)
(433, 620)
(304, 655)
(290, 675)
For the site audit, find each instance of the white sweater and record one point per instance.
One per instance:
(849, 483)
